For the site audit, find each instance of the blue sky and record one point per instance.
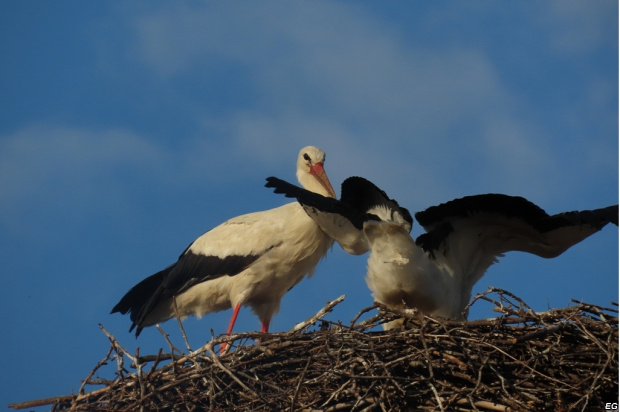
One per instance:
(128, 129)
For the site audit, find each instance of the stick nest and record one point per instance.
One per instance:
(560, 360)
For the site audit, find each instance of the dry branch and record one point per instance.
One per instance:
(560, 360)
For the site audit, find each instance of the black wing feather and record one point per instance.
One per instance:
(364, 195)
(436, 219)
(358, 196)
(508, 206)
(311, 199)
(191, 269)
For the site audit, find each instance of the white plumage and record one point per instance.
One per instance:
(250, 260)
(401, 276)
(437, 272)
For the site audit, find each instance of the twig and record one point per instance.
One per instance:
(539, 334)
(217, 362)
(300, 381)
(365, 310)
(99, 364)
(116, 344)
(178, 318)
(437, 398)
(310, 321)
(491, 406)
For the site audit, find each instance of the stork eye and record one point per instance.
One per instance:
(306, 157)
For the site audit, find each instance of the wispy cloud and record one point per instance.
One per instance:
(440, 120)
(334, 75)
(71, 169)
(576, 28)
(354, 80)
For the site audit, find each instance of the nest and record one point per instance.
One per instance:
(560, 360)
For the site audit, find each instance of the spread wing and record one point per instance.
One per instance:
(472, 232)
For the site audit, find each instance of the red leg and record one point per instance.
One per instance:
(264, 327)
(233, 319)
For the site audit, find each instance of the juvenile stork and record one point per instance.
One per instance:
(464, 237)
(250, 260)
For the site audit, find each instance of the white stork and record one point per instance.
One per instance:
(250, 260)
(437, 272)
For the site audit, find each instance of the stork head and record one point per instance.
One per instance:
(310, 172)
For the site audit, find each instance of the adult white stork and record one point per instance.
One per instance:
(437, 272)
(343, 220)
(250, 260)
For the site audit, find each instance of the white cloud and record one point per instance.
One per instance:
(325, 64)
(68, 168)
(577, 27)
(78, 174)
(334, 75)
(81, 174)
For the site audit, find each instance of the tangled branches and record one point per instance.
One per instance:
(564, 359)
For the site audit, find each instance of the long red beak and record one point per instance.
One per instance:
(319, 173)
